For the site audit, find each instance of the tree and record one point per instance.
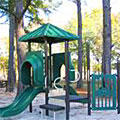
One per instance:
(16, 17)
(79, 84)
(106, 60)
(11, 65)
(79, 15)
(93, 32)
(19, 13)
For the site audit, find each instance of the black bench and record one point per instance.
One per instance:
(51, 107)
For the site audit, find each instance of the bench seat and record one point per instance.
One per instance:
(51, 107)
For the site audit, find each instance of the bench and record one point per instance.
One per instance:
(51, 107)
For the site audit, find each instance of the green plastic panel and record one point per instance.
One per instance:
(21, 102)
(58, 61)
(103, 92)
(34, 60)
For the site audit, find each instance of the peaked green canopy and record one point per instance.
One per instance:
(49, 32)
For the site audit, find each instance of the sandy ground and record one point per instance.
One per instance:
(77, 112)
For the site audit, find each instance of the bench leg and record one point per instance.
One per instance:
(41, 114)
(54, 115)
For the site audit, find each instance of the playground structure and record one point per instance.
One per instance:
(41, 78)
(38, 75)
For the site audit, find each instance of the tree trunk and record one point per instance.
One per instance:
(19, 33)
(11, 61)
(20, 52)
(106, 60)
(79, 84)
(84, 67)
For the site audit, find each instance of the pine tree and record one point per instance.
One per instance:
(106, 59)
(11, 60)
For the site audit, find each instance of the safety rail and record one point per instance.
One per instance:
(55, 81)
(59, 78)
(46, 82)
(78, 75)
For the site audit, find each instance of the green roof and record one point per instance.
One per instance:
(50, 32)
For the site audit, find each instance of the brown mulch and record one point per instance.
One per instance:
(82, 91)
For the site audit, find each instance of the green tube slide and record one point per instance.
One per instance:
(33, 60)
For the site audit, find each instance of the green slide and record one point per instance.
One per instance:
(33, 60)
(21, 102)
(16, 99)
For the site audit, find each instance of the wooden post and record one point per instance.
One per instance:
(50, 52)
(88, 77)
(46, 75)
(118, 84)
(67, 79)
(29, 50)
(29, 46)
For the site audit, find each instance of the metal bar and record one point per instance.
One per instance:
(114, 91)
(110, 89)
(107, 79)
(103, 86)
(98, 89)
(67, 79)
(118, 83)
(95, 89)
(46, 75)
